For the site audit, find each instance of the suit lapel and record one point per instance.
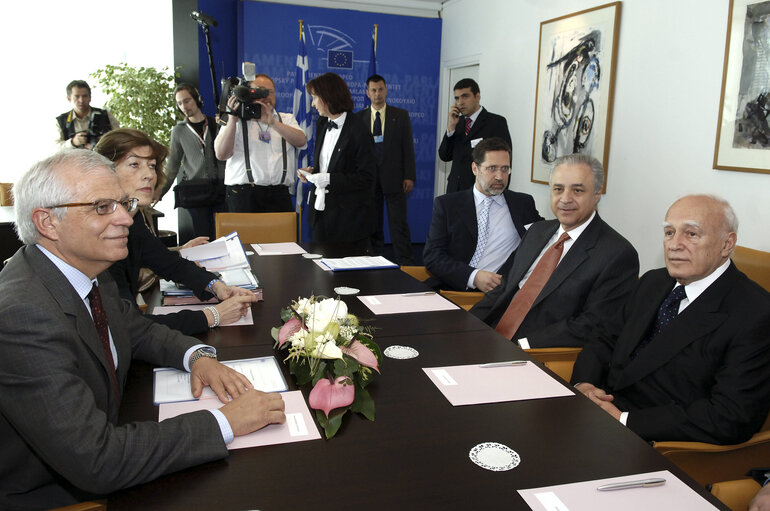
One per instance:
(320, 136)
(513, 211)
(342, 142)
(528, 252)
(467, 204)
(695, 322)
(71, 304)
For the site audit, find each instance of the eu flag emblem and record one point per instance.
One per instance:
(340, 59)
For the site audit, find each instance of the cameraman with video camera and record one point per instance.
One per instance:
(83, 126)
(271, 140)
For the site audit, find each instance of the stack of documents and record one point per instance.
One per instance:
(225, 256)
(356, 263)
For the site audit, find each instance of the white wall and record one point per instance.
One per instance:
(667, 90)
(47, 44)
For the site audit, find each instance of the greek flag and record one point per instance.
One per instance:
(372, 65)
(301, 111)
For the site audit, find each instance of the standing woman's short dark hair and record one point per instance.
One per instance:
(333, 91)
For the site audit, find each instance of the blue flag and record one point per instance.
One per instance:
(301, 111)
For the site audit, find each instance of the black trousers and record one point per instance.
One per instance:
(194, 222)
(400, 235)
(258, 199)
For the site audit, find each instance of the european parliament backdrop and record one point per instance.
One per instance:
(340, 41)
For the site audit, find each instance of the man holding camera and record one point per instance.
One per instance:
(83, 126)
(262, 185)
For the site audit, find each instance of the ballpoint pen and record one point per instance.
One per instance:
(504, 364)
(641, 483)
(421, 293)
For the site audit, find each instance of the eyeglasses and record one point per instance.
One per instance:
(104, 206)
(492, 169)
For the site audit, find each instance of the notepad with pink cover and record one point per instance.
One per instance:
(473, 384)
(299, 425)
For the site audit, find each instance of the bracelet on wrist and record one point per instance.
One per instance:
(215, 313)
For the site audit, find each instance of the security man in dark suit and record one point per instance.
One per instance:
(691, 361)
(469, 123)
(593, 269)
(391, 130)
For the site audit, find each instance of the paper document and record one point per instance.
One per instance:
(407, 302)
(358, 263)
(234, 258)
(216, 248)
(473, 384)
(299, 425)
(584, 496)
(172, 385)
(265, 249)
(248, 319)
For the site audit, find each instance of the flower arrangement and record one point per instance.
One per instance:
(329, 349)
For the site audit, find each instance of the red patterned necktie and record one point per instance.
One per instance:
(100, 321)
(467, 125)
(522, 301)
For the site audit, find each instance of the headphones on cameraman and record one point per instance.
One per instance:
(193, 92)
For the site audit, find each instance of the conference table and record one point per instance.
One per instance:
(415, 455)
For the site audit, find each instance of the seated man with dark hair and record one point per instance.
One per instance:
(691, 361)
(474, 233)
(67, 344)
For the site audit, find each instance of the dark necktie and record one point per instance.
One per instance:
(331, 125)
(522, 301)
(667, 311)
(467, 125)
(377, 132)
(100, 321)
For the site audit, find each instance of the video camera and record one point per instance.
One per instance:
(245, 94)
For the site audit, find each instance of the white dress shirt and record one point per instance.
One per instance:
(503, 237)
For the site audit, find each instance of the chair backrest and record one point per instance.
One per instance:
(258, 227)
(465, 299)
(559, 360)
(6, 197)
(419, 272)
(736, 494)
(754, 263)
(710, 463)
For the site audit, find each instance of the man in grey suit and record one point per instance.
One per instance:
(67, 345)
(691, 361)
(593, 276)
(391, 130)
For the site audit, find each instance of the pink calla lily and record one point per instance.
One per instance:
(288, 329)
(327, 396)
(362, 354)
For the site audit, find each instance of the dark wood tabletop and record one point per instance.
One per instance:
(416, 454)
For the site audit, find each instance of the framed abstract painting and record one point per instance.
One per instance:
(743, 135)
(575, 87)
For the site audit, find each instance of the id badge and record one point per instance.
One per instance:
(264, 136)
(377, 139)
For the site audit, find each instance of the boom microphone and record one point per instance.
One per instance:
(203, 19)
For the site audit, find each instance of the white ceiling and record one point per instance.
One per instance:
(424, 8)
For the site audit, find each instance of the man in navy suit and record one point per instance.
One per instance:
(691, 362)
(593, 277)
(474, 233)
(469, 123)
(391, 130)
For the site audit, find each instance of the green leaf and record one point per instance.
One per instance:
(286, 314)
(331, 424)
(363, 403)
(274, 332)
(345, 367)
(301, 372)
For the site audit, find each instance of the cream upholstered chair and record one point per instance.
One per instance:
(710, 463)
(754, 263)
(736, 494)
(559, 360)
(258, 227)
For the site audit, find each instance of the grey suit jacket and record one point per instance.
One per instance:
(58, 415)
(581, 300)
(705, 377)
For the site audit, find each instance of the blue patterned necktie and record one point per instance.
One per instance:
(667, 311)
(483, 222)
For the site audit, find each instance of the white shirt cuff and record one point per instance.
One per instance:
(470, 283)
(224, 426)
(523, 343)
(623, 418)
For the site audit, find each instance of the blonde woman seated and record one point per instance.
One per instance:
(139, 165)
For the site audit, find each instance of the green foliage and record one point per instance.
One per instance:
(140, 98)
(333, 423)
(363, 403)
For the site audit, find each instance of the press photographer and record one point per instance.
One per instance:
(259, 146)
(83, 126)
